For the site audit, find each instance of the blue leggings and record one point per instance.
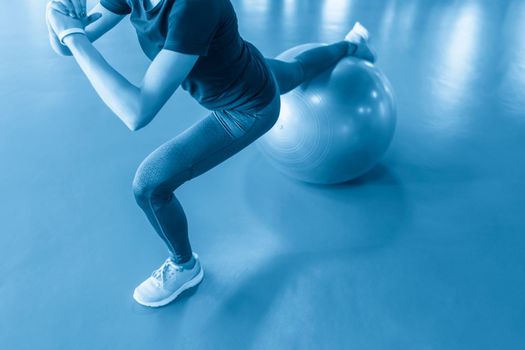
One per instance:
(211, 141)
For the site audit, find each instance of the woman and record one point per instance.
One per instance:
(195, 44)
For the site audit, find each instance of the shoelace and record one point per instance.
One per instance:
(166, 271)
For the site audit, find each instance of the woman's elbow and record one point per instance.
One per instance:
(139, 121)
(135, 126)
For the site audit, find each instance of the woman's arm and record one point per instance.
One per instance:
(105, 21)
(136, 106)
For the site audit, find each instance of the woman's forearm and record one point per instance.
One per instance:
(92, 33)
(121, 96)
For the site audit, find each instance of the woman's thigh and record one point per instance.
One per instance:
(202, 146)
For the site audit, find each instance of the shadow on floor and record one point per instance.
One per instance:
(315, 224)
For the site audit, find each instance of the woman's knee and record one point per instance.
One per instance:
(142, 190)
(148, 192)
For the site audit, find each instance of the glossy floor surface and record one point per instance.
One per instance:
(424, 252)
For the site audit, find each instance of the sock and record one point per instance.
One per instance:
(188, 265)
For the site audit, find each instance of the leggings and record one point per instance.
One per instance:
(211, 141)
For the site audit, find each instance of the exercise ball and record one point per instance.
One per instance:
(335, 127)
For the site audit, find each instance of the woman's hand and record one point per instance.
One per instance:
(60, 22)
(59, 18)
(73, 8)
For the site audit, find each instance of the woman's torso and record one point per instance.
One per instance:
(230, 72)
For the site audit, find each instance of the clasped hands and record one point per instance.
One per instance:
(67, 16)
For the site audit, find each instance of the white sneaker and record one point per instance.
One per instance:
(359, 36)
(167, 282)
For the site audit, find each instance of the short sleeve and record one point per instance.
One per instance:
(120, 7)
(192, 25)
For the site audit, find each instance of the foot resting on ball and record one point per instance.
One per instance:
(358, 37)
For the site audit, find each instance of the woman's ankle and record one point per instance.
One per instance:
(189, 264)
(352, 48)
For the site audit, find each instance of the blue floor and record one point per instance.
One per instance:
(427, 251)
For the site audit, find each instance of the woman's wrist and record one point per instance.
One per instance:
(71, 39)
(68, 33)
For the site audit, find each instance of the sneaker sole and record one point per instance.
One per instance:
(191, 283)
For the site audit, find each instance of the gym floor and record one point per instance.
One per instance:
(424, 252)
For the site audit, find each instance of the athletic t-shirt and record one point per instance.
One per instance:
(230, 72)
